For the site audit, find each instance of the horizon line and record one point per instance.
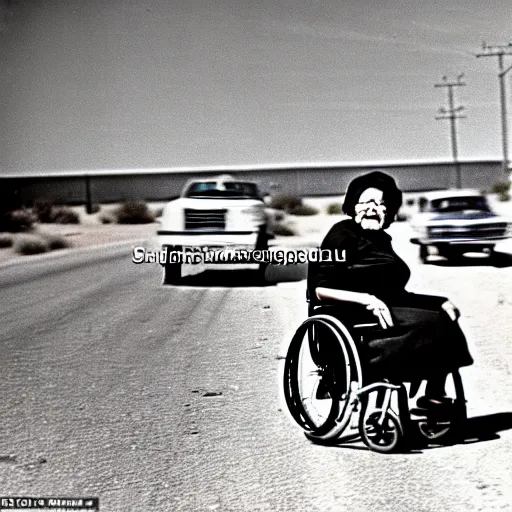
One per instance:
(245, 167)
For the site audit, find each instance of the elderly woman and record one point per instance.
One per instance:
(419, 337)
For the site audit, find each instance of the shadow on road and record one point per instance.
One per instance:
(476, 430)
(486, 428)
(274, 274)
(225, 278)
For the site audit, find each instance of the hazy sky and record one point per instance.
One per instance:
(89, 84)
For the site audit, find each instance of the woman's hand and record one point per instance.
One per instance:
(372, 303)
(451, 310)
(380, 310)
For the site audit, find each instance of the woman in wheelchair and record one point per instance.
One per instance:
(419, 337)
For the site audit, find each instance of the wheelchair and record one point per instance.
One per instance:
(333, 396)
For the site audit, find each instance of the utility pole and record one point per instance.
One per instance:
(88, 200)
(501, 51)
(452, 113)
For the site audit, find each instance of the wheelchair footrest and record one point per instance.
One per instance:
(430, 415)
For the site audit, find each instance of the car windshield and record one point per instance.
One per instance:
(458, 204)
(231, 189)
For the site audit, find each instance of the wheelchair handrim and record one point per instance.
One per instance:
(340, 412)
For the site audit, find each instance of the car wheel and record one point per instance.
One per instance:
(453, 255)
(262, 245)
(497, 258)
(262, 239)
(424, 253)
(172, 273)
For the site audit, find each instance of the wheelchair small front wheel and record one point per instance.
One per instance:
(435, 430)
(380, 436)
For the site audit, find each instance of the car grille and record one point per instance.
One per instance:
(477, 231)
(205, 219)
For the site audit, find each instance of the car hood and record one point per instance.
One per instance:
(214, 204)
(457, 218)
(464, 215)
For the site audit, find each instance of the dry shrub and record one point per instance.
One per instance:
(46, 212)
(286, 202)
(64, 215)
(291, 204)
(303, 210)
(283, 230)
(502, 188)
(5, 240)
(30, 244)
(18, 220)
(107, 218)
(134, 212)
(43, 209)
(334, 209)
(55, 242)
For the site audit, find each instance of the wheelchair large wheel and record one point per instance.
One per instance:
(446, 428)
(383, 435)
(320, 368)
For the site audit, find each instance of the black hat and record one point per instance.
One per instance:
(392, 195)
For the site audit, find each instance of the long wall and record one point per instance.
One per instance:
(304, 181)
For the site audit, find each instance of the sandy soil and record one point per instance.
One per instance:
(88, 235)
(90, 232)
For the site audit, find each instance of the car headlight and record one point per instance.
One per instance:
(172, 217)
(251, 210)
(421, 230)
(257, 214)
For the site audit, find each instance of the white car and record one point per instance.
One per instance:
(455, 222)
(212, 214)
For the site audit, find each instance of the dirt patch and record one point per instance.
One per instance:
(81, 236)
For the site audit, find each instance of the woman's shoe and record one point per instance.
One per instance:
(429, 403)
(434, 409)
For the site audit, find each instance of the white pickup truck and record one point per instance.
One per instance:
(212, 213)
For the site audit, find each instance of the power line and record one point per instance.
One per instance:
(452, 113)
(501, 51)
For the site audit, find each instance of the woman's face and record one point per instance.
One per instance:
(370, 209)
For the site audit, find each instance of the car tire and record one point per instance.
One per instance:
(172, 270)
(497, 258)
(172, 274)
(262, 239)
(262, 245)
(424, 253)
(453, 255)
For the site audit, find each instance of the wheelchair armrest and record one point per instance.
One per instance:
(326, 305)
(365, 326)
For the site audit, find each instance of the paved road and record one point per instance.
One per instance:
(166, 399)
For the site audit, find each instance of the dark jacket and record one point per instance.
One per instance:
(424, 339)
